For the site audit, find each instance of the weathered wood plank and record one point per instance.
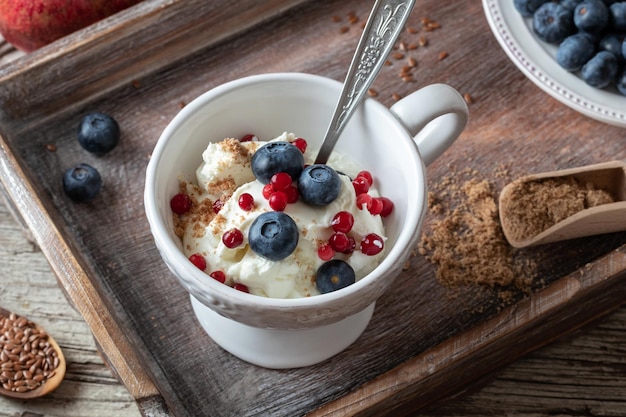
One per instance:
(103, 253)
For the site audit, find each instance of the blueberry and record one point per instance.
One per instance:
(552, 22)
(613, 44)
(617, 11)
(82, 183)
(620, 83)
(273, 235)
(570, 4)
(276, 157)
(527, 7)
(334, 275)
(591, 16)
(574, 52)
(600, 71)
(98, 133)
(319, 185)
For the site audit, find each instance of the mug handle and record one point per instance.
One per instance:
(435, 116)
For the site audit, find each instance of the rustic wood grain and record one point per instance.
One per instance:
(581, 374)
(103, 255)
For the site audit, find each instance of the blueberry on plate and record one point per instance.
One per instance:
(617, 11)
(612, 43)
(600, 71)
(570, 4)
(98, 133)
(552, 22)
(574, 52)
(334, 275)
(528, 7)
(275, 157)
(82, 183)
(591, 16)
(319, 185)
(620, 83)
(273, 235)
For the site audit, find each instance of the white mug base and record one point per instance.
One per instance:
(281, 349)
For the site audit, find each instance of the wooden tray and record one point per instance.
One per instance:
(422, 346)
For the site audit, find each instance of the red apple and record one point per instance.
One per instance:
(31, 24)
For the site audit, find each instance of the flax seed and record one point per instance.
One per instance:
(442, 55)
(468, 98)
(412, 62)
(27, 359)
(398, 55)
(344, 29)
(372, 92)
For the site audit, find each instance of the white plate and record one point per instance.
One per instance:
(536, 59)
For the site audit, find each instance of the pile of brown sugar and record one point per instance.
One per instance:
(533, 206)
(465, 240)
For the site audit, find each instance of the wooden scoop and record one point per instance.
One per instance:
(604, 218)
(16, 357)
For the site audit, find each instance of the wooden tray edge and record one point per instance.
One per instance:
(560, 309)
(156, 33)
(73, 278)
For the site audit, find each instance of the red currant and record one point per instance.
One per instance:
(247, 138)
(351, 246)
(217, 206)
(218, 276)
(278, 201)
(198, 260)
(232, 238)
(361, 185)
(267, 191)
(292, 194)
(339, 241)
(300, 144)
(376, 206)
(241, 287)
(342, 222)
(246, 201)
(325, 252)
(363, 200)
(180, 203)
(367, 176)
(387, 206)
(372, 244)
(281, 181)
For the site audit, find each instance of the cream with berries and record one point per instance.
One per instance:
(262, 219)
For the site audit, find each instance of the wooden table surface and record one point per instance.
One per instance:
(580, 375)
(583, 374)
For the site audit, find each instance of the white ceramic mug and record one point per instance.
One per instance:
(394, 144)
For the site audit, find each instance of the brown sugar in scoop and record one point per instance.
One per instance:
(564, 204)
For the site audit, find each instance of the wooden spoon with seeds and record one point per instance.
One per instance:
(31, 362)
(599, 219)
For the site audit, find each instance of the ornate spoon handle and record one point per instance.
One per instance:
(382, 29)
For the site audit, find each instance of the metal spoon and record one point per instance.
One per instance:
(604, 218)
(9, 366)
(381, 32)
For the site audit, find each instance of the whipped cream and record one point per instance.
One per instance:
(225, 174)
